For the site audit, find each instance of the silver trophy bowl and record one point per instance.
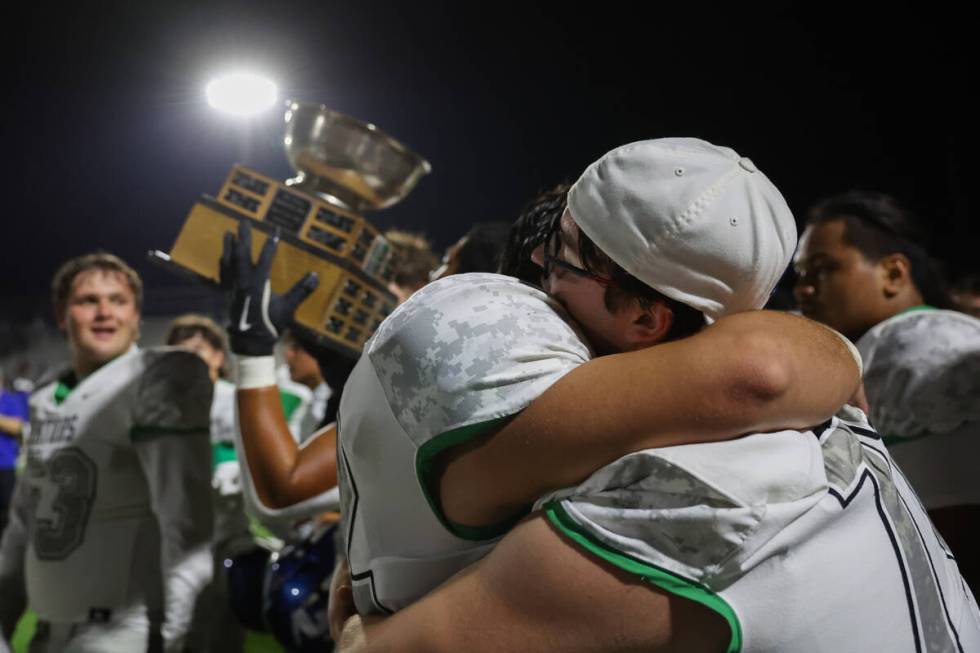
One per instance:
(346, 161)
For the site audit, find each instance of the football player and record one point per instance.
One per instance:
(111, 520)
(215, 627)
(792, 540)
(864, 270)
(753, 373)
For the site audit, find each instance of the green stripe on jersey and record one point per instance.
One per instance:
(647, 572)
(223, 452)
(61, 392)
(920, 307)
(290, 402)
(423, 469)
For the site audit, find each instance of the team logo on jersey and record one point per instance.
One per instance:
(53, 430)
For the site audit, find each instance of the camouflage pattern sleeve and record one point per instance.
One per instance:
(470, 349)
(922, 372)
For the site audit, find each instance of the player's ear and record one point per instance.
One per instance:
(650, 324)
(896, 274)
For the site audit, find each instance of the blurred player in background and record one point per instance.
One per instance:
(111, 521)
(304, 372)
(215, 628)
(479, 250)
(864, 269)
(413, 261)
(13, 420)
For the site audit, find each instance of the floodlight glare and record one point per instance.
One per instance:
(241, 94)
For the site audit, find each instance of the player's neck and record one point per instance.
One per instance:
(84, 367)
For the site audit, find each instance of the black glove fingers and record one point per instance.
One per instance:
(300, 291)
(226, 269)
(243, 253)
(264, 266)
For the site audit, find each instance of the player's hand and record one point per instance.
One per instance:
(258, 315)
(860, 400)
(340, 604)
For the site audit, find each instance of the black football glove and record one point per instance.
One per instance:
(257, 315)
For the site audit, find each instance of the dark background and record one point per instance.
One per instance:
(108, 139)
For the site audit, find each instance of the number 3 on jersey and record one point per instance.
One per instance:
(59, 526)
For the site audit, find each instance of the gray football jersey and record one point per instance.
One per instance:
(449, 364)
(802, 541)
(922, 378)
(94, 543)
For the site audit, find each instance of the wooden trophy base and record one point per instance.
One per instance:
(351, 258)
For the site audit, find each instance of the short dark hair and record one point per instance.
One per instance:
(626, 288)
(531, 229)
(64, 278)
(877, 225)
(192, 324)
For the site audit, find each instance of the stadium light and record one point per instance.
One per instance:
(241, 94)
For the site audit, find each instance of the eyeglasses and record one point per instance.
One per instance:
(552, 261)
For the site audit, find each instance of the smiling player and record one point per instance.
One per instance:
(111, 521)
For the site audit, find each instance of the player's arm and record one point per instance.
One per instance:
(13, 546)
(171, 440)
(536, 592)
(750, 372)
(12, 426)
(281, 473)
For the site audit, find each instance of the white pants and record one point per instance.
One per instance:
(110, 637)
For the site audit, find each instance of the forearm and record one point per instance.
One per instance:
(283, 474)
(267, 444)
(537, 592)
(752, 372)
(12, 426)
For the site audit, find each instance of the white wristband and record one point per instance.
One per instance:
(256, 372)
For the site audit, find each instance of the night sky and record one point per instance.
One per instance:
(109, 140)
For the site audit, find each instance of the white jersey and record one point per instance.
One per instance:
(115, 492)
(315, 413)
(224, 426)
(233, 479)
(230, 520)
(802, 541)
(460, 356)
(297, 405)
(922, 379)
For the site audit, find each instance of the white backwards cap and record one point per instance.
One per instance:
(695, 221)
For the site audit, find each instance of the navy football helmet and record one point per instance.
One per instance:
(245, 573)
(297, 584)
